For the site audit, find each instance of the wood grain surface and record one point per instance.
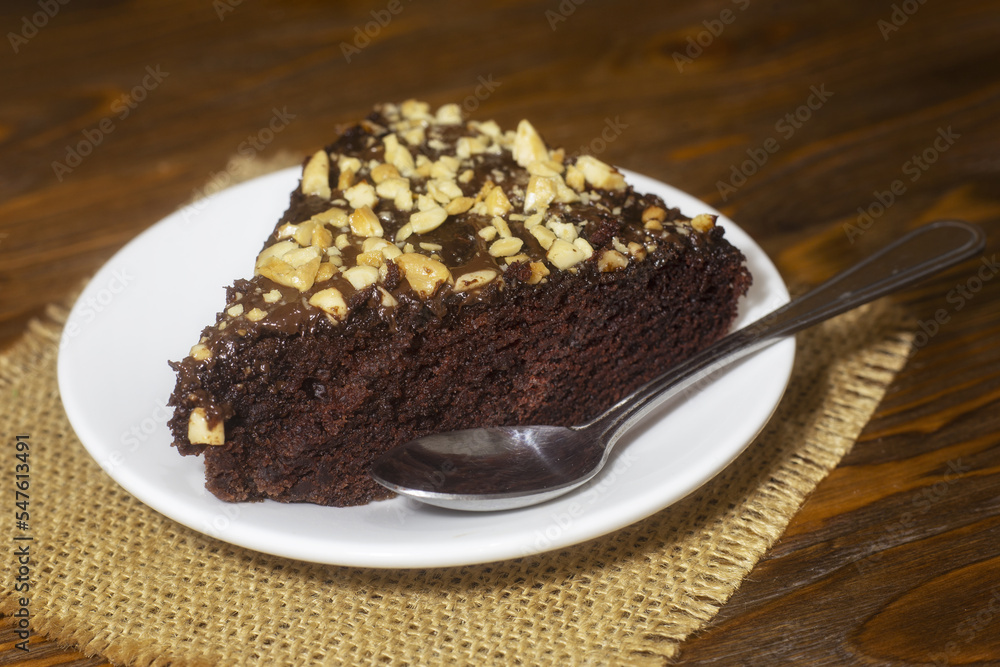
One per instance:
(825, 129)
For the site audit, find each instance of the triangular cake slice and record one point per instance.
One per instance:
(433, 273)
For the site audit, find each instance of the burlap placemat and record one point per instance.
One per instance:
(114, 577)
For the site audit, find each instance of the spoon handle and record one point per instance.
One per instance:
(916, 255)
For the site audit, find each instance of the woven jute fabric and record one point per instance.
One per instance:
(115, 578)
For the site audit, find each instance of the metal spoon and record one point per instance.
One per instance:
(507, 467)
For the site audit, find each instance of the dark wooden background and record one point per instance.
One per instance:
(895, 560)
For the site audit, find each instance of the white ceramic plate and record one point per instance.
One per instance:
(148, 304)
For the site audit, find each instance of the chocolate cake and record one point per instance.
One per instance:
(430, 274)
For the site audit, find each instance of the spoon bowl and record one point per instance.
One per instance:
(519, 465)
(507, 467)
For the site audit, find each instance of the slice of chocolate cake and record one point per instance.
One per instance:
(434, 274)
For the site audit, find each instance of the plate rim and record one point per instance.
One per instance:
(601, 525)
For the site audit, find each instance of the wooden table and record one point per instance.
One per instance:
(825, 129)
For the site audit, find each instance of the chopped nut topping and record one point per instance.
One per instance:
(540, 193)
(321, 237)
(496, 203)
(398, 155)
(287, 264)
(443, 191)
(564, 254)
(330, 301)
(703, 222)
(415, 110)
(423, 274)
(575, 178)
(533, 220)
(365, 223)
(503, 229)
(404, 233)
(528, 145)
(415, 137)
(466, 147)
(474, 280)
(449, 114)
(390, 188)
(543, 235)
(459, 205)
(538, 272)
(373, 258)
(346, 179)
(348, 163)
(425, 221)
(361, 195)
(584, 246)
(654, 213)
(611, 260)
(201, 352)
(546, 168)
(416, 175)
(599, 174)
(383, 172)
(506, 246)
(361, 276)
(316, 175)
(489, 128)
(335, 217)
(388, 300)
(445, 168)
(564, 230)
(325, 271)
(424, 164)
(373, 243)
(637, 250)
(199, 431)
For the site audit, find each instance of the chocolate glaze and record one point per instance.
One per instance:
(607, 215)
